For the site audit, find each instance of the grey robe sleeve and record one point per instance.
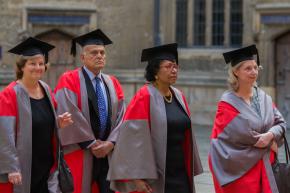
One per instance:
(80, 130)
(9, 161)
(279, 127)
(120, 115)
(127, 163)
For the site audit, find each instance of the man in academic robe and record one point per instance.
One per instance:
(96, 102)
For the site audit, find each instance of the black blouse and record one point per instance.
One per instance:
(43, 123)
(176, 179)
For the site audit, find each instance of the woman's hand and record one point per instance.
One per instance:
(64, 120)
(15, 178)
(274, 147)
(264, 139)
(142, 186)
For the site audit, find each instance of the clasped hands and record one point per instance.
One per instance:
(142, 186)
(265, 139)
(101, 149)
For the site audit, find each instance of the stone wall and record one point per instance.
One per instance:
(129, 23)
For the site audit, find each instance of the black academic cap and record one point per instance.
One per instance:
(242, 54)
(96, 37)
(163, 52)
(31, 47)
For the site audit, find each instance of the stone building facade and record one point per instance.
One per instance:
(204, 30)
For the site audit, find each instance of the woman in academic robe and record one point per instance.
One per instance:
(28, 125)
(156, 150)
(247, 130)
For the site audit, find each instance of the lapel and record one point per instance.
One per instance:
(241, 105)
(94, 101)
(264, 122)
(109, 92)
(179, 98)
(91, 92)
(108, 89)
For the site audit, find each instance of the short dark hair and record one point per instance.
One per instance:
(20, 63)
(152, 69)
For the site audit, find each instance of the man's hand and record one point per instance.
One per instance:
(102, 148)
(264, 139)
(15, 178)
(142, 186)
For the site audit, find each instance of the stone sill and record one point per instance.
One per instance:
(75, 6)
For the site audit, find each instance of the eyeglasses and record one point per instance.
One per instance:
(170, 67)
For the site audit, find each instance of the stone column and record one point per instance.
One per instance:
(167, 20)
(24, 19)
(227, 11)
(208, 23)
(190, 19)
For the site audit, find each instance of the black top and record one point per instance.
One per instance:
(176, 179)
(43, 123)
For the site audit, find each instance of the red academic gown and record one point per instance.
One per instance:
(71, 96)
(255, 180)
(143, 115)
(10, 112)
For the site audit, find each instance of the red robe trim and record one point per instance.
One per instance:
(75, 159)
(9, 108)
(250, 182)
(137, 119)
(139, 108)
(70, 80)
(8, 105)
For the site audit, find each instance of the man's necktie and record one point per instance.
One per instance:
(101, 107)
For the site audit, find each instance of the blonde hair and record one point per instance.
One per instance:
(233, 81)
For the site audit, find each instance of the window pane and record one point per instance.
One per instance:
(181, 22)
(236, 23)
(218, 23)
(199, 22)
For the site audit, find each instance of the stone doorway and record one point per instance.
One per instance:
(60, 59)
(282, 75)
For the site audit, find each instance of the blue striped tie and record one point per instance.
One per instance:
(101, 107)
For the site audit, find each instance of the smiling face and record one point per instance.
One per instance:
(247, 73)
(94, 57)
(167, 73)
(34, 68)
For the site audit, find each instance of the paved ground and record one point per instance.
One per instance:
(204, 182)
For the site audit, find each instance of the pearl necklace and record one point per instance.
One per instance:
(169, 99)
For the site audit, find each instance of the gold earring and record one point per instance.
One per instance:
(156, 77)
